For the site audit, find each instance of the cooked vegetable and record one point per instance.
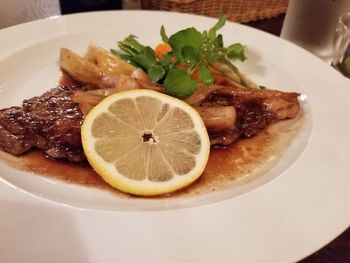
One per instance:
(161, 50)
(107, 62)
(80, 69)
(217, 117)
(102, 70)
(187, 58)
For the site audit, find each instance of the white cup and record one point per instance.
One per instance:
(341, 45)
(310, 24)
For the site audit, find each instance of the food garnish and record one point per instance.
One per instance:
(183, 54)
(146, 143)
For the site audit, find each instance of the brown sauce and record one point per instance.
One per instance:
(245, 158)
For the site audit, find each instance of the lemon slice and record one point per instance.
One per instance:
(145, 143)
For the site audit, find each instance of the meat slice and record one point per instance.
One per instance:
(15, 134)
(50, 122)
(255, 109)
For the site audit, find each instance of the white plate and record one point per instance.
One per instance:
(282, 216)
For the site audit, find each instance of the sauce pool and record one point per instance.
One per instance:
(244, 158)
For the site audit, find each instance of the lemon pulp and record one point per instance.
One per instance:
(145, 143)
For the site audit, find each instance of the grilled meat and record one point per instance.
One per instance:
(50, 122)
(255, 109)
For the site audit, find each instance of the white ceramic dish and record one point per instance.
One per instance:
(282, 216)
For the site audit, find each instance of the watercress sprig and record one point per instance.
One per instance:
(191, 51)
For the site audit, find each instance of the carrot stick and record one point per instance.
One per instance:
(161, 50)
(218, 78)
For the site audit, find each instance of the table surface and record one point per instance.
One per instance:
(19, 11)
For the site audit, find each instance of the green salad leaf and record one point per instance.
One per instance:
(190, 38)
(163, 34)
(221, 22)
(190, 55)
(156, 72)
(131, 46)
(205, 75)
(179, 84)
(236, 51)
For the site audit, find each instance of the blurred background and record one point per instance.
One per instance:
(19, 11)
